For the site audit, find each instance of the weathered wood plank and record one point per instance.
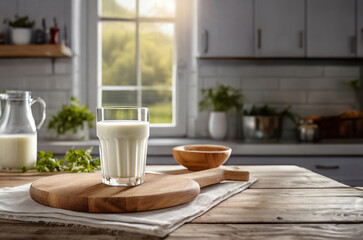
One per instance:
(268, 231)
(277, 176)
(22, 230)
(268, 177)
(288, 206)
(264, 203)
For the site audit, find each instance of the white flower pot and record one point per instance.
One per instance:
(218, 125)
(21, 36)
(80, 134)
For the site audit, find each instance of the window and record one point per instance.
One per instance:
(138, 57)
(133, 59)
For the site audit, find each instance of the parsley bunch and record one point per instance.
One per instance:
(77, 161)
(81, 161)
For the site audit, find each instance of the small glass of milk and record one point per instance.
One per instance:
(123, 133)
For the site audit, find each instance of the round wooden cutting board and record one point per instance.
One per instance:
(85, 192)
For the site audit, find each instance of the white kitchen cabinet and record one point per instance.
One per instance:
(225, 28)
(360, 28)
(331, 28)
(279, 28)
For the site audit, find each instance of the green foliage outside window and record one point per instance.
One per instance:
(119, 62)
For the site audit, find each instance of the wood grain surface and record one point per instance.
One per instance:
(279, 204)
(289, 206)
(269, 231)
(272, 176)
(85, 192)
(37, 51)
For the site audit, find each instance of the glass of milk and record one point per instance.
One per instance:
(123, 134)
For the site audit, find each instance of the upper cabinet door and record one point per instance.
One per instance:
(279, 28)
(360, 29)
(331, 28)
(225, 28)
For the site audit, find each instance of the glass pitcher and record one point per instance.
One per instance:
(18, 132)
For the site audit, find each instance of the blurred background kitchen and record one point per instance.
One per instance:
(286, 73)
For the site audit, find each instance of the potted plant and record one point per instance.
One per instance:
(21, 29)
(219, 100)
(265, 122)
(72, 122)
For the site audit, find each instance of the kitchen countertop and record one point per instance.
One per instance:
(286, 202)
(164, 146)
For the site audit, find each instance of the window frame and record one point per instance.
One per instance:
(94, 78)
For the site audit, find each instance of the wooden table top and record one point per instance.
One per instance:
(286, 202)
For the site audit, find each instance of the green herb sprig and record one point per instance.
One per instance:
(20, 22)
(221, 99)
(71, 117)
(81, 161)
(78, 161)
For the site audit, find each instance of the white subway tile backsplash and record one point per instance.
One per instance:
(268, 69)
(63, 66)
(60, 82)
(309, 71)
(53, 99)
(210, 82)
(207, 69)
(7, 10)
(12, 83)
(342, 71)
(330, 97)
(25, 67)
(306, 110)
(35, 83)
(235, 70)
(275, 71)
(260, 83)
(313, 83)
(275, 97)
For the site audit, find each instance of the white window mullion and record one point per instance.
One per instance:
(138, 56)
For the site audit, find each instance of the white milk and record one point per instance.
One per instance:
(18, 150)
(123, 148)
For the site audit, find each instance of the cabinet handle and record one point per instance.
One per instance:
(259, 40)
(301, 39)
(205, 41)
(353, 44)
(327, 167)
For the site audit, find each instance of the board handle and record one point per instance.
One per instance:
(217, 175)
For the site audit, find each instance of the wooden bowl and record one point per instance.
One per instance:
(201, 157)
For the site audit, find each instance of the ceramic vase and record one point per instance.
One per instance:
(21, 36)
(218, 125)
(82, 133)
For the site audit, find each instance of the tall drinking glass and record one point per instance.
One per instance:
(123, 134)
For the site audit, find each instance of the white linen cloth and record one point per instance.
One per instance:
(16, 204)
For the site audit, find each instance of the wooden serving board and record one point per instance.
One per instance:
(85, 192)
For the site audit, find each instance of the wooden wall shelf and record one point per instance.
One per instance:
(35, 51)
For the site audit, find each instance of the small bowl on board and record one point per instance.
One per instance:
(201, 157)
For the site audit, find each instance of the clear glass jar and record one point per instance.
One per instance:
(18, 132)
